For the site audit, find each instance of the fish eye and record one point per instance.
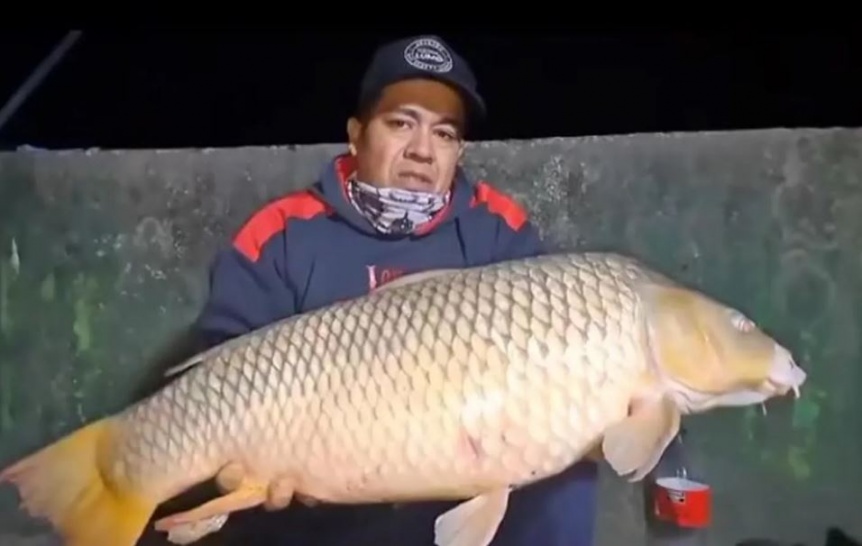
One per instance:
(741, 322)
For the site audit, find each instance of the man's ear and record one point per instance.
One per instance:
(354, 129)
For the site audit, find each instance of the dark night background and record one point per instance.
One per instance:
(216, 89)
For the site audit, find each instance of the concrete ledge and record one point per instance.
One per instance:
(103, 258)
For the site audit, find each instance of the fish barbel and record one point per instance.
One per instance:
(456, 384)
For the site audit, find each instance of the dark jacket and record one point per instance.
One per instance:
(311, 248)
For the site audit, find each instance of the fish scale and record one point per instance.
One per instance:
(454, 384)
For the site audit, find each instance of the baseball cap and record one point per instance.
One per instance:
(425, 56)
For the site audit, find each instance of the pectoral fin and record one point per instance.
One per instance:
(473, 522)
(246, 496)
(637, 442)
(187, 533)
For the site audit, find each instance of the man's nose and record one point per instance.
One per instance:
(419, 147)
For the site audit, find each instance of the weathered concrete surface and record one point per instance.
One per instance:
(103, 259)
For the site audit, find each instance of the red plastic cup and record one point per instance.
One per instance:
(682, 502)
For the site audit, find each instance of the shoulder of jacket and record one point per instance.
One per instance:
(500, 204)
(274, 217)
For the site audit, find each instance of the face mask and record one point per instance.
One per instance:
(395, 210)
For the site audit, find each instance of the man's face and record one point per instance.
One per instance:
(413, 139)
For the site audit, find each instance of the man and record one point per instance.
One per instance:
(396, 203)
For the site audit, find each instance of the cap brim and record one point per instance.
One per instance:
(476, 109)
(475, 104)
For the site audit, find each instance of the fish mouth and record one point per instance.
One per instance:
(785, 375)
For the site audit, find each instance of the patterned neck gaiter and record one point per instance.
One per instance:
(395, 210)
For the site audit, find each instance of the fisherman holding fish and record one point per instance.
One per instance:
(397, 334)
(396, 203)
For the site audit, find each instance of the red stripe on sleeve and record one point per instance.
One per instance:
(273, 218)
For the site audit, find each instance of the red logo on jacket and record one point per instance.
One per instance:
(378, 276)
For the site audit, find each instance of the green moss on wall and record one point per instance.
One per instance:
(104, 256)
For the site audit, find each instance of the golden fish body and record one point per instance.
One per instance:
(456, 384)
(442, 387)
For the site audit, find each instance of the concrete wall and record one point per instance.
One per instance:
(103, 259)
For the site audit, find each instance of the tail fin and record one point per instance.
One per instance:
(65, 483)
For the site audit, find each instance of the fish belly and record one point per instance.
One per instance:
(500, 375)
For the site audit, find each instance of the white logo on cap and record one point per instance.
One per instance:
(428, 54)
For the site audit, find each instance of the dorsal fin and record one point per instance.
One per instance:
(193, 361)
(414, 278)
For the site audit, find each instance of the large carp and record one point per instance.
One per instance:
(456, 384)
